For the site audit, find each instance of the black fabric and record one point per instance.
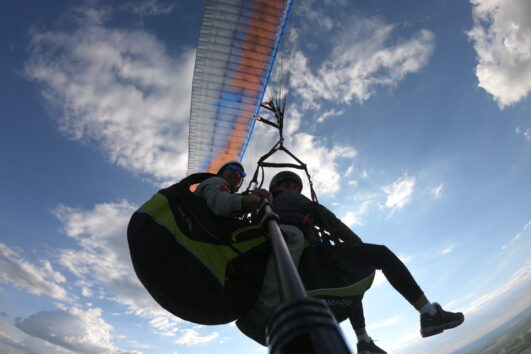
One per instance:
(194, 217)
(176, 279)
(382, 258)
(293, 207)
(333, 267)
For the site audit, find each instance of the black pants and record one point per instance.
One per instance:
(394, 270)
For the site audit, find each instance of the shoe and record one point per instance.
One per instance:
(431, 325)
(369, 348)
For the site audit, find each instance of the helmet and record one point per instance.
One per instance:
(237, 163)
(285, 176)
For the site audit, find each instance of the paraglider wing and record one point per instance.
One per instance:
(237, 46)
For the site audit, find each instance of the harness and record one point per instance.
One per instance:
(200, 267)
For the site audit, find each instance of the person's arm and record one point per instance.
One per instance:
(216, 192)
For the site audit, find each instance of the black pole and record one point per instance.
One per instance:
(300, 325)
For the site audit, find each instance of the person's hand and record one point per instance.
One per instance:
(262, 193)
(253, 200)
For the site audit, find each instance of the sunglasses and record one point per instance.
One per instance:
(236, 169)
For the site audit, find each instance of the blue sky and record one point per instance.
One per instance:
(413, 117)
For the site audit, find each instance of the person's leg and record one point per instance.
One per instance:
(269, 296)
(394, 270)
(433, 318)
(365, 343)
(254, 322)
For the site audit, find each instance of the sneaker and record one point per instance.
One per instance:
(431, 325)
(369, 348)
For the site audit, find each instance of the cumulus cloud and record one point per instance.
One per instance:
(24, 275)
(361, 60)
(103, 259)
(190, 337)
(117, 89)
(399, 192)
(73, 329)
(502, 40)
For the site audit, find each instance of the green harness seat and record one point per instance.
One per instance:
(200, 267)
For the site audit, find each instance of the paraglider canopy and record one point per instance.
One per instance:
(237, 47)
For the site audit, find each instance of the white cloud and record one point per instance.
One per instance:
(361, 60)
(362, 204)
(436, 192)
(149, 8)
(22, 274)
(191, 337)
(399, 192)
(328, 114)
(104, 260)
(379, 278)
(520, 278)
(322, 161)
(119, 90)
(526, 134)
(385, 323)
(351, 219)
(447, 250)
(73, 329)
(353, 183)
(349, 171)
(516, 237)
(502, 40)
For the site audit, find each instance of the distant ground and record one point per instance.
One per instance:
(513, 338)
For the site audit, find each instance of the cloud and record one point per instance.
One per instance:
(519, 279)
(16, 270)
(526, 134)
(502, 40)
(149, 8)
(385, 323)
(447, 250)
(379, 278)
(73, 329)
(323, 161)
(119, 90)
(103, 259)
(328, 114)
(516, 237)
(351, 219)
(362, 204)
(361, 60)
(191, 337)
(436, 192)
(399, 192)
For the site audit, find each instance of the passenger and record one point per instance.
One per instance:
(293, 207)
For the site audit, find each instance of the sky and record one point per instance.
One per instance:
(413, 117)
